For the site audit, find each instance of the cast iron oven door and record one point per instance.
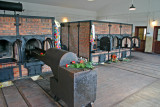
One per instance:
(126, 42)
(31, 45)
(5, 49)
(17, 50)
(115, 42)
(7, 63)
(105, 44)
(33, 65)
(136, 42)
(48, 43)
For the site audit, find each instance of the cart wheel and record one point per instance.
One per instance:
(56, 98)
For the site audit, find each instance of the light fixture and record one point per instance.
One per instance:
(132, 7)
(90, 0)
(154, 22)
(65, 19)
(148, 19)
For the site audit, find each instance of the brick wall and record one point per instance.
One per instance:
(73, 38)
(64, 35)
(24, 71)
(5, 65)
(115, 29)
(126, 29)
(16, 72)
(7, 27)
(28, 26)
(15, 69)
(84, 38)
(35, 26)
(101, 28)
(46, 68)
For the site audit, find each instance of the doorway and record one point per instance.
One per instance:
(156, 40)
(141, 32)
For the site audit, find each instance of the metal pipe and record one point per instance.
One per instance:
(11, 6)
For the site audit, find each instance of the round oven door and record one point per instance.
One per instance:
(16, 50)
(136, 43)
(48, 44)
(115, 42)
(105, 44)
(32, 44)
(126, 42)
(6, 49)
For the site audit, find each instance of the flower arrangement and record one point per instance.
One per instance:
(126, 59)
(80, 64)
(114, 58)
(42, 54)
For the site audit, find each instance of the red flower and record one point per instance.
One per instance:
(81, 61)
(114, 56)
(67, 65)
(41, 53)
(73, 62)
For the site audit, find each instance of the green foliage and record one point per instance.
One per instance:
(82, 65)
(126, 59)
(109, 62)
(72, 66)
(77, 65)
(115, 61)
(88, 65)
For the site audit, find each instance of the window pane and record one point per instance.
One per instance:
(141, 37)
(158, 37)
(141, 31)
(145, 32)
(158, 31)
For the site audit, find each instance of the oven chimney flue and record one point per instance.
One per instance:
(11, 6)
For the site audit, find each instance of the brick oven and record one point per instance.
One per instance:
(110, 38)
(18, 35)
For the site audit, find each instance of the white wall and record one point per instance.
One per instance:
(146, 11)
(33, 9)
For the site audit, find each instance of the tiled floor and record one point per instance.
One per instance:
(123, 84)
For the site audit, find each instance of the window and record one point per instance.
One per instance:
(142, 33)
(158, 35)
